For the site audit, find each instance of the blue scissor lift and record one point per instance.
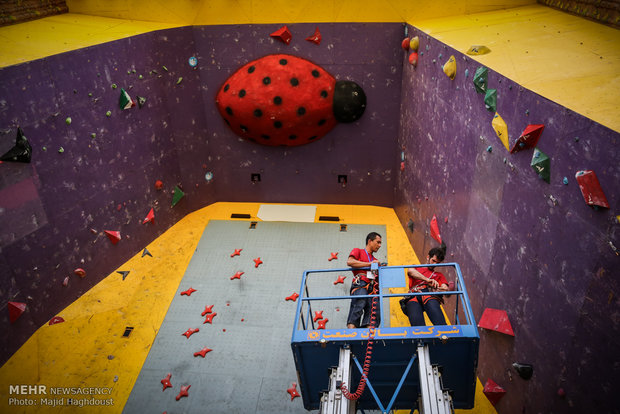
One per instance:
(429, 368)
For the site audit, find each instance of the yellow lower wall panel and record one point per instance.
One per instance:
(89, 350)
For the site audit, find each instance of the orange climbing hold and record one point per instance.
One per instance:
(15, 310)
(334, 257)
(188, 292)
(340, 279)
(257, 262)
(236, 253)
(496, 320)
(293, 297)
(236, 275)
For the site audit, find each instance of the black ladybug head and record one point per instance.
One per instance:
(349, 101)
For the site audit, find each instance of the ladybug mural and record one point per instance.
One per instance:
(286, 100)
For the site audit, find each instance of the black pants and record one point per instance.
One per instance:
(415, 312)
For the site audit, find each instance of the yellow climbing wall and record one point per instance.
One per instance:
(89, 350)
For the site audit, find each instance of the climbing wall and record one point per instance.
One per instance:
(125, 137)
(500, 168)
(232, 306)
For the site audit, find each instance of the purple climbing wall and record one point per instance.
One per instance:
(532, 248)
(53, 211)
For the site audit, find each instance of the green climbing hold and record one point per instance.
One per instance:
(490, 99)
(140, 77)
(68, 120)
(179, 80)
(93, 135)
(114, 86)
(108, 114)
(177, 195)
(541, 165)
(61, 150)
(480, 79)
(165, 68)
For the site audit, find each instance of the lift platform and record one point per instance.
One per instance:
(393, 381)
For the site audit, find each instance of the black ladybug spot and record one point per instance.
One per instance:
(322, 122)
(265, 136)
(301, 111)
(277, 100)
(324, 93)
(251, 69)
(283, 62)
(258, 113)
(243, 128)
(266, 80)
(241, 93)
(226, 87)
(312, 137)
(229, 110)
(292, 137)
(316, 73)
(277, 124)
(294, 81)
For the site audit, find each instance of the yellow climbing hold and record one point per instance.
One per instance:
(500, 129)
(449, 68)
(414, 43)
(478, 50)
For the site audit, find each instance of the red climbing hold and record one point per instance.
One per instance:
(183, 392)
(341, 279)
(258, 261)
(209, 317)
(208, 309)
(159, 185)
(236, 253)
(293, 297)
(190, 332)
(283, 34)
(591, 189)
(55, 320)
(322, 323)
(293, 391)
(317, 315)
(80, 272)
(15, 310)
(435, 229)
(413, 59)
(114, 236)
(315, 38)
(202, 352)
(405, 43)
(166, 382)
(188, 292)
(65, 282)
(496, 320)
(334, 257)
(236, 275)
(493, 391)
(528, 138)
(150, 217)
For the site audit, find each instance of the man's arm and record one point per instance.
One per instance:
(417, 275)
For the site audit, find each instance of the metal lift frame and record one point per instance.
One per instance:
(454, 347)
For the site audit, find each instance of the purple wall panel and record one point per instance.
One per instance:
(531, 248)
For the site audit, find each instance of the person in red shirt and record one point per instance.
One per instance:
(363, 283)
(426, 279)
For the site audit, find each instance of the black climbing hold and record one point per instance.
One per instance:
(21, 152)
(525, 371)
(349, 101)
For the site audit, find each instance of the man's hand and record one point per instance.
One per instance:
(433, 283)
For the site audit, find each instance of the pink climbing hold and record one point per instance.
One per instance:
(293, 391)
(204, 351)
(114, 236)
(150, 217)
(190, 332)
(340, 279)
(80, 272)
(293, 297)
(208, 309)
(315, 38)
(209, 317)
(65, 282)
(258, 262)
(183, 392)
(283, 34)
(166, 382)
(496, 320)
(236, 275)
(334, 257)
(188, 292)
(236, 253)
(15, 310)
(55, 320)
(493, 391)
